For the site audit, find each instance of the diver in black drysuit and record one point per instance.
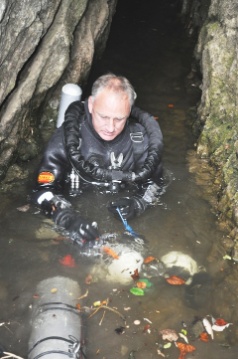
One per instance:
(76, 155)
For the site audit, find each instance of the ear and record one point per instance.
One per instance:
(90, 104)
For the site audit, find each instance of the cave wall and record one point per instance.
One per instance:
(216, 54)
(43, 45)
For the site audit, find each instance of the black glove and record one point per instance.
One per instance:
(129, 207)
(78, 228)
(56, 202)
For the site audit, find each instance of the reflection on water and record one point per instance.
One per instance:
(149, 48)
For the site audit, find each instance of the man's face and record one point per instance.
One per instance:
(109, 112)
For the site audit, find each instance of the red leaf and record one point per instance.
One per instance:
(220, 322)
(68, 261)
(88, 279)
(146, 328)
(135, 276)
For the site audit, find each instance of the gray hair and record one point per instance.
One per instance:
(116, 83)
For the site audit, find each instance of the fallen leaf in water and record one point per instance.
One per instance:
(184, 337)
(141, 285)
(24, 208)
(169, 334)
(68, 261)
(120, 330)
(220, 328)
(170, 105)
(204, 337)
(147, 329)
(88, 279)
(149, 259)
(220, 321)
(137, 291)
(110, 252)
(174, 280)
(97, 303)
(146, 281)
(159, 352)
(208, 327)
(184, 349)
(135, 275)
(127, 308)
(59, 238)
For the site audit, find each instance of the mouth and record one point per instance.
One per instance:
(108, 134)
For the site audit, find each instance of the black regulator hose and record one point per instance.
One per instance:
(73, 141)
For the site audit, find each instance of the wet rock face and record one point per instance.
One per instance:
(44, 45)
(217, 55)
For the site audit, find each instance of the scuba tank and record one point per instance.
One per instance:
(56, 324)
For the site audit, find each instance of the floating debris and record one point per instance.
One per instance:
(24, 208)
(208, 327)
(68, 261)
(175, 280)
(137, 291)
(120, 330)
(169, 334)
(110, 252)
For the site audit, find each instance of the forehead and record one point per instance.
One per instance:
(110, 102)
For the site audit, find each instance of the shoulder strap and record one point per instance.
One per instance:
(137, 139)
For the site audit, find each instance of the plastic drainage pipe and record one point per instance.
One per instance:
(56, 323)
(69, 94)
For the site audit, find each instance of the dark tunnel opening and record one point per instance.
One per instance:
(145, 35)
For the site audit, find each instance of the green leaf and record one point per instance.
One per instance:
(137, 291)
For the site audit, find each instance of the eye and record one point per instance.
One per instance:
(103, 117)
(120, 119)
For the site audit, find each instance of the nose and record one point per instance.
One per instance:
(110, 125)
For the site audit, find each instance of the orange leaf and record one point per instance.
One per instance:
(184, 349)
(204, 337)
(78, 306)
(170, 105)
(174, 280)
(149, 259)
(135, 276)
(110, 252)
(141, 285)
(68, 261)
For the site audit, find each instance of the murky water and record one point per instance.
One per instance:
(147, 44)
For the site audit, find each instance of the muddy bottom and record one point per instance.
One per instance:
(148, 45)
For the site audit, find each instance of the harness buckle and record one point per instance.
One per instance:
(137, 137)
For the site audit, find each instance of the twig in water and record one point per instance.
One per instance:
(10, 355)
(108, 308)
(84, 295)
(100, 323)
